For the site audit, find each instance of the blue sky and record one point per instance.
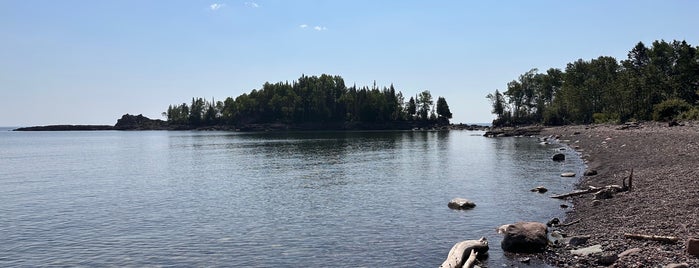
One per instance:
(89, 62)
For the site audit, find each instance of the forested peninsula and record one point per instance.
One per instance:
(660, 82)
(310, 103)
(313, 103)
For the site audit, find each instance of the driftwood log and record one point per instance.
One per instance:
(659, 238)
(593, 189)
(464, 253)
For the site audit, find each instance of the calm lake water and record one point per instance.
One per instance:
(311, 199)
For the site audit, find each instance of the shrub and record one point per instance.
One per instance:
(692, 114)
(670, 109)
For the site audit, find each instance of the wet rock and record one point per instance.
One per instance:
(524, 237)
(461, 203)
(553, 222)
(587, 251)
(590, 172)
(539, 189)
(693, 246)
(568, 174)
(564, 206)
(558, 157)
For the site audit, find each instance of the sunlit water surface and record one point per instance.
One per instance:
(311, 199)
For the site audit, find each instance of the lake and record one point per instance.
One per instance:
(276, 199)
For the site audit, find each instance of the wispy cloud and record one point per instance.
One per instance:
(316, 28)
(216, 6)
(252, 4)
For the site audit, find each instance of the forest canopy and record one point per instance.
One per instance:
(312, 100)
(660, 82)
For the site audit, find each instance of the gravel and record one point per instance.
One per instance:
(664, 199)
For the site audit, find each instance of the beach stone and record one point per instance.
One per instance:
(587, 251)
(677, 265)
(461, 203)
(524, 237)
(568, 174)
(629, 252)
(558, 157)
(578, 240)
(693, 246)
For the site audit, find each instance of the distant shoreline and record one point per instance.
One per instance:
(140, 122)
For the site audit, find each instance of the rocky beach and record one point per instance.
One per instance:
(662, 202)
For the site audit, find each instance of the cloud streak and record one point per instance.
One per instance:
(316, 28)
(216, 6)
(252, 4)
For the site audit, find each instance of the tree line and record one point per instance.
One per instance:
(660, 82)
(311, 99)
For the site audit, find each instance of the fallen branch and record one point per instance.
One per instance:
(592, 189)
(570, 223)
(605, 192)
(457, 254)
(659, 238)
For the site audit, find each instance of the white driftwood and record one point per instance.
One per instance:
(592, 189)
(458, 254)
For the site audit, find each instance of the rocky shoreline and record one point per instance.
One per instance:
(664, 199)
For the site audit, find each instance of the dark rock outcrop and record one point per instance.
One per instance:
(524, 237)
(140, 122)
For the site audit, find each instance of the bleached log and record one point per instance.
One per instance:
(457, 255)
(471, 261)
(659, 238)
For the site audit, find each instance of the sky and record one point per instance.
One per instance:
(89, 62)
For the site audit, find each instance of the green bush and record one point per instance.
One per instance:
(670, 109)
(692, 114)
(601, 118)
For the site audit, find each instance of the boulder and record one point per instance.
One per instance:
(461, 203)
(693, 246)
(558, 157)
(524, 237)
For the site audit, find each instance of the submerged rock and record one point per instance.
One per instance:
(461, 203)
(558, 157)
(524, 237)
(539, 189)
